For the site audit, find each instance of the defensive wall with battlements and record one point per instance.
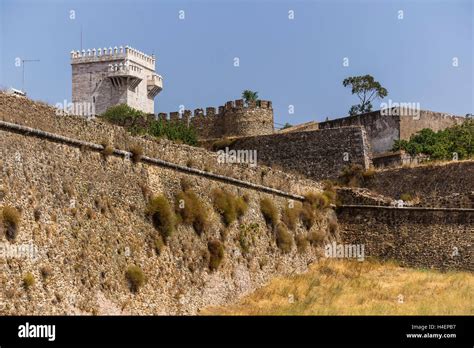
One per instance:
(235, 118)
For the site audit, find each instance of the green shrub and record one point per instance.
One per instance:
(123, 115)
(406, 197)
(162, 216)
(11, 222)
(135, 278)
(269, 211)
(136, 122)
(228, 205)
(137, 153)
(175, 131)
(28, 281)
(216, 253)
(283, 238)
(191, 211)
(441, 145)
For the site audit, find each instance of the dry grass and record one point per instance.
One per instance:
(192, 211)
(318, 201)
(135, 278)
(10, 218)
(284, 239)
(345, 287)
(216, 253)
(230, 207)
(137, 153)
(162, 216)
(269, 211)
(291, 215)
(108, 150)
(28, 281)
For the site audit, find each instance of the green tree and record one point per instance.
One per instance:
(367, 90)
(123, 115)
(441, 145)
(249, 95)
(137, 122)
(287, 125)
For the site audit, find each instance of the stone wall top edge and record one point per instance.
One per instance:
(379, 114)
(232, 105)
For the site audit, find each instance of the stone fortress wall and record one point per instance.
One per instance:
(434, 230)
(108, 218)
(383, 127)
(429, 184)
(28, 113)
(107, 230)
(235, 118)
(319, 154)
(416, 237)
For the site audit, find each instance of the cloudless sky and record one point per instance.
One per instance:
(295, 62)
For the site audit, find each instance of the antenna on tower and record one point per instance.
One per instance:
(23, 61)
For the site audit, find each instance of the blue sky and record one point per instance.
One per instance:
(295, 62)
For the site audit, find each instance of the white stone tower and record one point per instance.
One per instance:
(111, 76)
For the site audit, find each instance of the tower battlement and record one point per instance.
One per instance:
(113, 54)
(234, 118)
(232, 105)
(111, 76)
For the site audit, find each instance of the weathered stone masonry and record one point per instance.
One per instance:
(429, 184)
(235, 118)
(108, 77)
(416, 237)
(383, 129)
(319, 154)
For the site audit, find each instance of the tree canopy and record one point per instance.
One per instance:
(442, 145)
(367, 90)
(137, 122)
(249, 95)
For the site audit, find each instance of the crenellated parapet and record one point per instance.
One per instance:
(123, 53)
(234, 118)
(233, 105)
(112, 76)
